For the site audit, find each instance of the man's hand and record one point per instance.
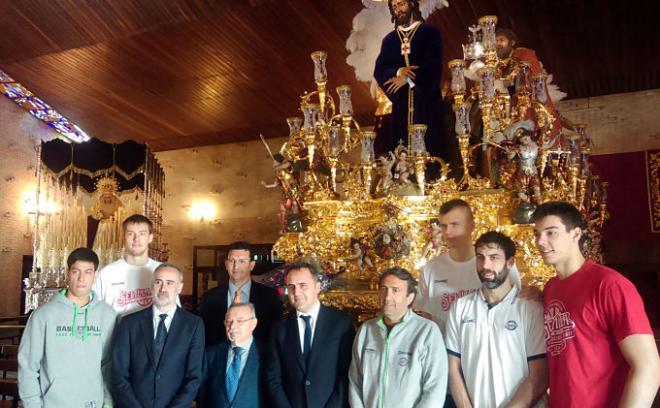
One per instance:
(395, 83)
(407, 71)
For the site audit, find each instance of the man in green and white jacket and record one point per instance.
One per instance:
(399, 358)
(64, 356)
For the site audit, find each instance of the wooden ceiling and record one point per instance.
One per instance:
(182, 73)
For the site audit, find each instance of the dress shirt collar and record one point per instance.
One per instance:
(157, 312)
(245, 291)
(314, 313)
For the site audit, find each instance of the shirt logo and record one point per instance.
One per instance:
(467, 320)
(511, 325)
(141, 296)
(449, 298)
(559, 327)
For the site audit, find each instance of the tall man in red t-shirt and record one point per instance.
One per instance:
(600, 346)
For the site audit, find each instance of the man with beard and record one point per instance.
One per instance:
(158, 352)
(511, 56)
(496, 340)
(126, 283)
(408, 69)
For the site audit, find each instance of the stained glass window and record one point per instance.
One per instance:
(40, 109)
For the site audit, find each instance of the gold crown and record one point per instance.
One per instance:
(107, 184)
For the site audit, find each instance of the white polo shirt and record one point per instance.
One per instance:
(444, 280)
(495, 344)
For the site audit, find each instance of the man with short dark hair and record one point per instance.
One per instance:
(232, 372)
(158, 352)
(449, 275)
(399, 358)
(239, 289)
(495, 340)
(126, 283)
(601, 351)
(309, 350)
(64, 355)
(408, 70)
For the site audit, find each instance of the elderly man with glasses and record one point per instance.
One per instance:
(231, 372)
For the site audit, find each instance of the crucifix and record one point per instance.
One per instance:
(405, 47)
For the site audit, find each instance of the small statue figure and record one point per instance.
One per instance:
(403, 168)
(527, 177)
(108, 203)
(358, 255)
(285, 178)
(294, 220)
(435, 240)
(384, 170)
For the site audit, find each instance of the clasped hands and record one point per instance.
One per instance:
(396, 82)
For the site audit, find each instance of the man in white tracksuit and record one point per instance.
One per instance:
(399, 358)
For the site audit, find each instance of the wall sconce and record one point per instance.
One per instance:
(202, 210)
(31, 207)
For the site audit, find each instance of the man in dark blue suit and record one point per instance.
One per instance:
(232, 370)
(309, 350)
(158, 352)
(240, 289)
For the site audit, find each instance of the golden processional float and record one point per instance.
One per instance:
(84, 192)
(356, 214)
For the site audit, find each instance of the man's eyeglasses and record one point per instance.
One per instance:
(241, 261)
(238, 322)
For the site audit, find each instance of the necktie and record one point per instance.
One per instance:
(234, 373)
(307, 339)
(237, 296)
(161, 335)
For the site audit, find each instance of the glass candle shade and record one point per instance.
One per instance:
(334, 143)
(345, 104)
(487, 24)
(320, 72)
(456, 67)
(295, 124)
(462, 112)
(416, 134)
(367, 140)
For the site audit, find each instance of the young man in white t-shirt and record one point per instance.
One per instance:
(496, 340)
(449, 275)
(126, 283)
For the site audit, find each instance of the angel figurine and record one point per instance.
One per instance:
(358, 255)
(403, 168)
(285, 178)
(384, 170)
(435, 240)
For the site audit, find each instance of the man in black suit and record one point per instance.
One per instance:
(239, 289)
(309, 350)
(158, 352)
(232, 370)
